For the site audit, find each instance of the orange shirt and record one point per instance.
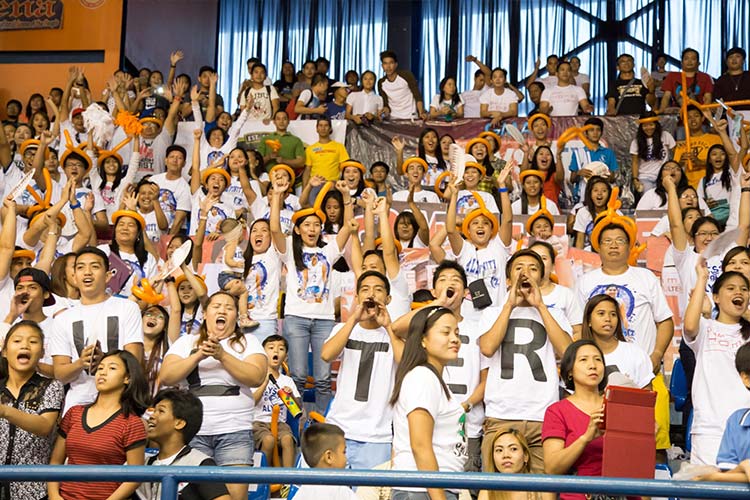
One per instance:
(700, 144)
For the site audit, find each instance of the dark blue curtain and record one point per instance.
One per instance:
(350, 34)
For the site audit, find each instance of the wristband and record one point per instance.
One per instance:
(172, 65)
(52, 233)
(202, 218)
(169, 279)
(177, 98)
(73, 207)
(745, 190)
(502, 190)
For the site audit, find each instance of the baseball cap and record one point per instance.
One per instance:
(37, 276)
(76, 112)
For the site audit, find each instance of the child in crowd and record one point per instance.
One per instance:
(324, 447)
(267, 396)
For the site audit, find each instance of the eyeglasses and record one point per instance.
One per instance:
(688, 196)
(671, 168)
(608, 242)
(154, 315)
(703, 234)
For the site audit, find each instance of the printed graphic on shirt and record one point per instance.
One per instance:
(626, 300)
(168, 204)
(524, 337)
(215, 156)
(146, 162)
(258, 276)
(465, 204)
(313, 279)
(366, 362)
(476, 270)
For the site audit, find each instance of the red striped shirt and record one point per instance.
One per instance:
(105, 444)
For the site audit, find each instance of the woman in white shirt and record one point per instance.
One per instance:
(428, 422)
(448, 104)
(220, 364)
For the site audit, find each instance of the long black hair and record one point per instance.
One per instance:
(119, 175)
(438, 150)
(299, 263)
(552, 166)
(158, 351)
(525, 198)
(726, 172)
(588, 200)
(4, 371)
(586, 331)
(455, 100)
(135, 397)
(139, 245)
(336, 195)
(723, 277)
(656, 151)
(249, 252)
(406, 214)
(414, 353)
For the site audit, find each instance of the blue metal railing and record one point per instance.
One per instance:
(170, 476)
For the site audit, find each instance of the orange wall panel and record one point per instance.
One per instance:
(86, 25)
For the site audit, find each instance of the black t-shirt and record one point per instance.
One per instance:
(284, 88)
(733, 88)
(633, 96)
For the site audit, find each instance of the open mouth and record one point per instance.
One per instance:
(370, 304)
(450, 293)
(738, 301)
(221, 321)
(23, 356)
(87, 281)
(151, 323)
(275, 357)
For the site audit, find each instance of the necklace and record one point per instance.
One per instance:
(737, 82)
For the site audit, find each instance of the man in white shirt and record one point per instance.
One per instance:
(157, 135)
(400, 91)
(564, 98)
(369, 353)
(644, 308)
(98, 325)
(522, 339)
(174, 191)
(471, 97)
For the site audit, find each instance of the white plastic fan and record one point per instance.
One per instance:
(457, 160)
(598, 168)
(175, 261)
(21, 186)
(718, 245)
(515, 133)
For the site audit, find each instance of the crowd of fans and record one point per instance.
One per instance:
(112, 341)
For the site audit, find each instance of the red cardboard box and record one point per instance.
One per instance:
(629, 425)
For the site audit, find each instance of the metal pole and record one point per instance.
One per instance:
(169, 488)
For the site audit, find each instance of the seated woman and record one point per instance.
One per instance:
(510, 455)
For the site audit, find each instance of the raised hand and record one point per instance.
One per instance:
(175, 57)
(197, 133)
(195, 93)
(398, 143)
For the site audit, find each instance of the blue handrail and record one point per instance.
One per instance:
(170, 476)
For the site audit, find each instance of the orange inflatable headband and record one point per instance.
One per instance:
(353, 163)
(575, 132)
(399, 246)
(39, 210)
(146, 292)
(540, 116)
(315, 209)
(30, 143)
(200, 279)
(129, 123)
(479, 140)
(74, 149)
(43, 202)
(482, 210)
(446, 175)
(414, 159)
(24, 254)
(650, 119)
(129, 213)
(216, 170)
(487, 134)
(532, 173)
(273, 144)
(286, 168)
(113, 153)
(542, 213)
(611, 217)
(151, 119)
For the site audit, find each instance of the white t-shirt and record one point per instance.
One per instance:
(422, 196)
(400, 297)
(174, 195)
(114, 323)
(715, 190)
(221, 414)
(364, 102)
(235, 195)
(153, 153)
(471, 101)
(718, 390)
(400, 99)
(262, 108)
(487, 264)
(438, 104)
(685, 262)
(153, 232)
(498, 102)
(649, 169)
(320, 491)
(260, 209)
(631, 360)
(263, 283)
(641, 298)
(517, 207)
(270, 398)
(563, 300)
(462, 375)
(522, 380)
(7, 291)
(139, 272)
(218, 212)
(421, 389)
(364, 386)
(465, 202)
(308, 292)
(564, 100)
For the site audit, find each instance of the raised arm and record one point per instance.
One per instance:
(454, 237)
(7, 237)
(694, 309)
(424, 228)
(390, 252)
(277, 234)
(195, 168)
(343, 236)
(505, 232)
(5, 154)
(211, 113)
(676, 227)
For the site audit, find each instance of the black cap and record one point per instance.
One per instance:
(175, 147)
(737, 50)
(37, 276)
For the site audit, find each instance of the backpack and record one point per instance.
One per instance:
(293, 115)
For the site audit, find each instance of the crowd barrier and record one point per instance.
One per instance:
(170, 477)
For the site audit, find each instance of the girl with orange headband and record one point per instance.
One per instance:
(428, 149)
(415, 168)
(531, 194)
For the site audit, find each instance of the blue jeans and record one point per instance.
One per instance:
(266, 328)
(303, 334)
(361, 455)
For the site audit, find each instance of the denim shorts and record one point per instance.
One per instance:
(232, 448)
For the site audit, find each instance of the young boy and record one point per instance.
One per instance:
(336, 109)
(176, 419)
(369, 352)
(324, 447)
(266, 396)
